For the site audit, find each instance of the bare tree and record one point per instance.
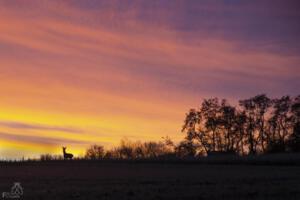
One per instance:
(279, 124)
(294, 140)
(248, 107)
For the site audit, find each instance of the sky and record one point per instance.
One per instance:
(80, 72)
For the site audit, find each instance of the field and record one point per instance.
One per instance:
(125, 180)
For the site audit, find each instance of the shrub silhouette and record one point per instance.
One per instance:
(95, 152)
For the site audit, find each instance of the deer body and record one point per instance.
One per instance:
(67, 155)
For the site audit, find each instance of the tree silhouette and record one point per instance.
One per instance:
(294, 140)
(227, 120)
(279, 124)
(258, 125)
(248, 107)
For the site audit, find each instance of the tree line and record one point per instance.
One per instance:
(257, 125)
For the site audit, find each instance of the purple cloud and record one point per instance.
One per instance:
(39, 140)
(20, 125)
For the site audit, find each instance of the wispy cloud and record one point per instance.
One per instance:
(20, 125)
(39, 140)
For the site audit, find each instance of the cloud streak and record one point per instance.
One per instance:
(24, 126)
(39, 140)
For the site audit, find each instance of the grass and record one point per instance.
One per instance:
(211, 178)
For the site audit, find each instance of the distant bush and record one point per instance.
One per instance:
(95, 152)
(185, 149)
(46, 157)
(132, 150)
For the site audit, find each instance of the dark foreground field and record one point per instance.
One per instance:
(96, 180)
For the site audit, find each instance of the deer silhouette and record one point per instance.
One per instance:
(67, 155)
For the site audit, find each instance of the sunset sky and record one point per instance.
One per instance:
(81, 72)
